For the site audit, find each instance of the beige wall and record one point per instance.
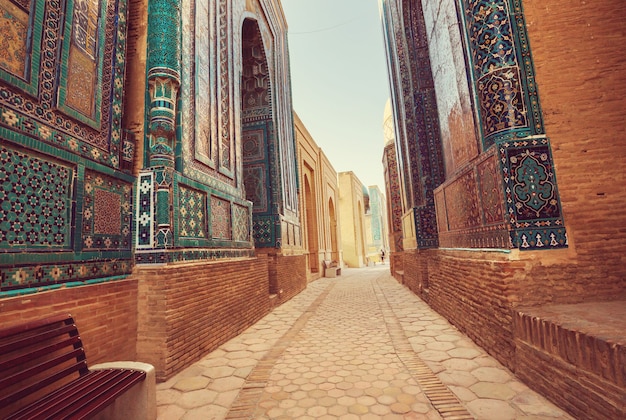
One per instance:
(352, 215)
(318, 201)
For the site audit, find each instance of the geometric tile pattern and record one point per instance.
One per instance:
(533, 209)
(79, 85)
(46, 117)
(241, 223)
(17, 36)
(105, 220)
(253, 144)
(107, 213)
(502, 66)
(470, 208)
(190, 254)
(220, 218)
(490, 191)
(394, 197)
(225, 80)
(144, 221)
(51, 275)
(419, 141)
(254, 178)
(35, 196)
(264, 232)
(461, 202)
(192, 210)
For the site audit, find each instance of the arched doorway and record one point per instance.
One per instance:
(334, 247)
(256, 130)
(312, 243)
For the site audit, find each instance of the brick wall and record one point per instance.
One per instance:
(416, 270)
(578, 51)
(396, 265)
(188, 310)
(106, 316)
(587, 372)
(473, 291)
(290, 275)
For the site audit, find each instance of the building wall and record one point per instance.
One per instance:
(105, 313)
(492, 260)
(318, 204)
(352, 213)
(65, 158)
(377, 234)
(188, 310)
(125, 152)
(582, 112)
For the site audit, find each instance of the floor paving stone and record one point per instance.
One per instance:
(359, 346)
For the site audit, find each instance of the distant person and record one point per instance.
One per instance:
(382, 255)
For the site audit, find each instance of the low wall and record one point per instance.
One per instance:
(288, 275)
(188, 310)
(105, 313)
(578, 362)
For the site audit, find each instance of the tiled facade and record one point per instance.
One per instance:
(130, 143)
(376, 225)
(63, 152)
(513, 112)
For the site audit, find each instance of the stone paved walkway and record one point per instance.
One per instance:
(360, 346)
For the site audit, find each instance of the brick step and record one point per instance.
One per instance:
(575, 349)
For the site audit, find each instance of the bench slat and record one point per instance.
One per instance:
(43, 367)
(23, 392)
(47, 356)
(38, 352)
(103, 396)
(83, 397)
(21, 328)
(59, 396)
(22, 342)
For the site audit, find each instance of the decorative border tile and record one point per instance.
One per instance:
(144, 218)
(197, 254)
(532, 200)
(42, 275)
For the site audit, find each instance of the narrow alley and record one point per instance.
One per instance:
(359, 346)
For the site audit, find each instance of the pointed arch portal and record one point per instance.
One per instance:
(257, 133)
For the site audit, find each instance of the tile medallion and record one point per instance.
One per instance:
(107, 213)
(532, 201)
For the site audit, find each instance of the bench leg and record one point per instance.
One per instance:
(139, 402)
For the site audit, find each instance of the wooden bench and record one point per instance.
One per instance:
(44, 375)
(331, 269)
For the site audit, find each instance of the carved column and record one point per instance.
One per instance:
(164, 67)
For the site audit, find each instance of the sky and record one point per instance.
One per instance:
(339, 81)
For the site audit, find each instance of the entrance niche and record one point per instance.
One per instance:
(310, 205)
(257, 134)
(334, 246)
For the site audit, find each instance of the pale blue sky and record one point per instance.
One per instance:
(339, 80)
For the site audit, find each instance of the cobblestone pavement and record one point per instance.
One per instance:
(359, 346)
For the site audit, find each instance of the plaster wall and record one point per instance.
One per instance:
(317, 170)
(351, 209)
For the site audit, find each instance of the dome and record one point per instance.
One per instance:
(388, 124)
